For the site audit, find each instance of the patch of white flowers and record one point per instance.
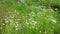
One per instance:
(32, 14)
(53, 19)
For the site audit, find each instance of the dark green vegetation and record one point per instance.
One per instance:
(29, 17)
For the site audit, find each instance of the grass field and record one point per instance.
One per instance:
(29, 16)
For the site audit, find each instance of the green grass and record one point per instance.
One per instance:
(29, 17)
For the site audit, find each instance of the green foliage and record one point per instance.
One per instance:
(29, 17)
